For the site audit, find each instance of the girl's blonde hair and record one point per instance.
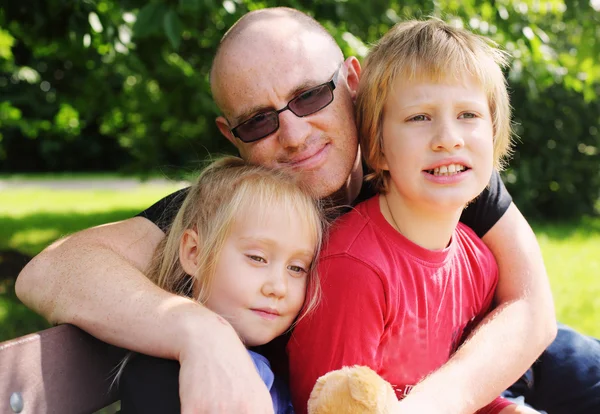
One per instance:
(431, 51)
(227, 190)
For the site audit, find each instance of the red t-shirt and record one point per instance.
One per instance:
(390, 304)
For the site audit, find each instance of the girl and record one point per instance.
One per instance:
(243, 244)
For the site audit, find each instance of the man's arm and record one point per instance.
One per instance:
(509, 339)
(93, 279)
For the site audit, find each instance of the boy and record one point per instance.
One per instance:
(403, 282)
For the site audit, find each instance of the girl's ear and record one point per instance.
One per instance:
(188, 251)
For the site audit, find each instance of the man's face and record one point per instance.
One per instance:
(321, 148)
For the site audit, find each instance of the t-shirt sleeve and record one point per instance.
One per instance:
(488, 208)
(495, 406)
(163, 212)
(345, 329)
(150, 385)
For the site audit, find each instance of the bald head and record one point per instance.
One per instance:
(259, 39)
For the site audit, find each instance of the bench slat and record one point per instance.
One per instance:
(58, 370)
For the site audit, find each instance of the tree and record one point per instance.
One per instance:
(124, 84)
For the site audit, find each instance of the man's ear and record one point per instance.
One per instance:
(189, 247)
(223, 126)
(353, 67)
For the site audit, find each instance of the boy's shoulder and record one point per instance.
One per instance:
(473, 247)
(354, 233)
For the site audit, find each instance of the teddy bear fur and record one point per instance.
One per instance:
(352, 390)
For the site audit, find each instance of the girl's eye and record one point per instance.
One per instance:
(257, 258)
(419, 118)
(297, 269)
(468, 115)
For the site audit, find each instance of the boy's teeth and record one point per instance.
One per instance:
(448, 169)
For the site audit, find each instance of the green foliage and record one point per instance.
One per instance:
(105, 84)
(556, 171)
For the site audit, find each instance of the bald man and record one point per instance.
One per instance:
(286, 95)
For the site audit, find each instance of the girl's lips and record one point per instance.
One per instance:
(268, 314)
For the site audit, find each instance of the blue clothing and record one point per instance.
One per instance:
(566, 377)
(282, 403)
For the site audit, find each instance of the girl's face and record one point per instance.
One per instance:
(262, 272)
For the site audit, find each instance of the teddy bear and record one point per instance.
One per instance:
(352, 390)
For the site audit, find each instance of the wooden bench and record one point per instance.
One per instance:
(58, 370)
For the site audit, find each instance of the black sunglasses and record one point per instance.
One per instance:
(307, 103)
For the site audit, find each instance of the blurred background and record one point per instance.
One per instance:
(105, 107)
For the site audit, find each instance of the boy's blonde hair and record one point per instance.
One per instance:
(431, 51)
(229, 190)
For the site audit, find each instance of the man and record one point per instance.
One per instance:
(94, 279)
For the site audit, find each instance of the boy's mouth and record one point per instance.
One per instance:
(447, 170)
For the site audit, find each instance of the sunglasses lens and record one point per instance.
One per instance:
(258, 127)
(311, 101)
(305, 104)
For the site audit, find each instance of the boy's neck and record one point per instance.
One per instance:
(429, 228)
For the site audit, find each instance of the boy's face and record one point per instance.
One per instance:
(437, 142)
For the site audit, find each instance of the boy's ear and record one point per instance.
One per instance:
(353, 68)
(188, 251)
(381, 162)
(223, 126)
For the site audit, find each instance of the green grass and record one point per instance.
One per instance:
(572, 257)
(31, 219)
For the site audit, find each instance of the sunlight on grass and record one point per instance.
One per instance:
(33, 236)
(65, 201)
(571, 254)
(32, 219)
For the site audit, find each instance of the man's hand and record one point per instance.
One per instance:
(218, 376)
(94, 279)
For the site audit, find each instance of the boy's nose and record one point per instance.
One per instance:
(447, 136)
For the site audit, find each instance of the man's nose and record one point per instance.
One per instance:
(293, 131)
(447, 135)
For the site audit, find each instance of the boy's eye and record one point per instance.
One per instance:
(419, 118)
(467, 115)
(257, 258)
